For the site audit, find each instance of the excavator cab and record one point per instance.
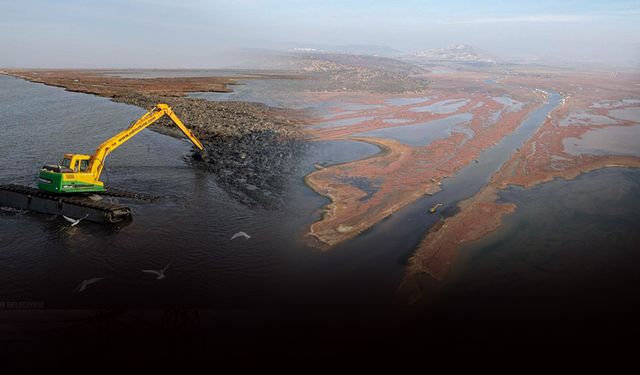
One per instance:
(72, 175)
(76, 162)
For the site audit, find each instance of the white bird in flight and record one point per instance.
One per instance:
(83, 285)
(74, 222)
(240, 234)
(159, 273)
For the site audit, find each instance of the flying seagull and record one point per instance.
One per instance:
(74, 222)
(240, 234)
(160, 273)
(83, 285)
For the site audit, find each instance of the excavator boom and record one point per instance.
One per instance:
(96, 164)
(81, 173)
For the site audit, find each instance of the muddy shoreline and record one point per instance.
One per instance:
(405, 172)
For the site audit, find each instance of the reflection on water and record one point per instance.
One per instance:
(406, 101)
(510, 104)
(614, 140)
(422, 134)
(272, 92)
(446, 106)
(396, 120)
(586, 118)
(343, 122)
(359, 106)
(338, 114)
(615, 103)
(629, 114)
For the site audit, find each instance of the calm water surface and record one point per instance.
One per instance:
(568, 258)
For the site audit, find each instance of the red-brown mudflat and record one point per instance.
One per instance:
(109, 83)
(401, 173)
(589, 99)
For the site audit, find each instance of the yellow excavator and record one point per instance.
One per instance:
(79, 173)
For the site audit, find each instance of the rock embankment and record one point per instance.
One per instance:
(251, 148)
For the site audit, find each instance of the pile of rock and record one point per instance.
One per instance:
(251, 148)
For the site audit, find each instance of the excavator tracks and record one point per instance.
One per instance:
(111, 192)
(76, 206)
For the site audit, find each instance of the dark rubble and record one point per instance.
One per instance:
(252, 149)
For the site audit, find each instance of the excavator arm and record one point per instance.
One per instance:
(81, 173)
(96, 164)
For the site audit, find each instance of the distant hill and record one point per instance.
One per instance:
(337, 61)
(347, 72)
(454, 53)
(350, 49)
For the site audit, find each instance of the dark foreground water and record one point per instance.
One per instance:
(274, 286)
(564, 266)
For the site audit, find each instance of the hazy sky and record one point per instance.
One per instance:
(199, 33)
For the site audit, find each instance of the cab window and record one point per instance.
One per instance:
(66, 162)
(83, 165)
